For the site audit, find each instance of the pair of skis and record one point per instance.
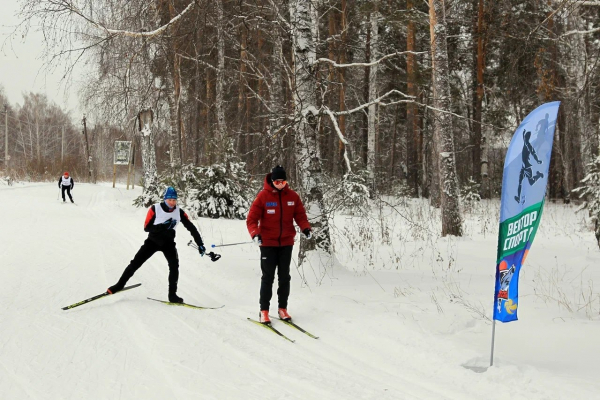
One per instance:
(266, 326)
(149, 298)
(288, 323)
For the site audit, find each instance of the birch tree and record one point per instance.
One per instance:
(145, 121)
(304, 23)
(372, 118)
(443, 135)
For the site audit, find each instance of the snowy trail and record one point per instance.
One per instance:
(125, 346)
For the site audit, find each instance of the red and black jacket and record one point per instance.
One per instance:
(273, 213)
(161, 235)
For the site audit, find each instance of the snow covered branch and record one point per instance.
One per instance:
(341, 136)
(570, 33)
(409, 99)
(377, 101)
(119, 32)
(198, 61)
(369, 64)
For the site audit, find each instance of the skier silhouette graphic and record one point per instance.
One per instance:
(528, 150)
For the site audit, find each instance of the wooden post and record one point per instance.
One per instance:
(87, 150)
(114, 174)
(131, 153)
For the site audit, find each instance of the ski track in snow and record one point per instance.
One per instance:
(125, 346)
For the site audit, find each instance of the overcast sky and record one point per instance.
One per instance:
(22, 66)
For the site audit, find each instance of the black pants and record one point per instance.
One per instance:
(144, 253)
(271, 259)
(68, 189)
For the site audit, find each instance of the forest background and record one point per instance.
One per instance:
(357, 99)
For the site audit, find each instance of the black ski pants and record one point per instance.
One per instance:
(68, 189)
(271, 259)
(144, 253)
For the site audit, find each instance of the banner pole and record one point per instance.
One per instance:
(493, 337)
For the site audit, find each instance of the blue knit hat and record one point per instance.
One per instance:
(170, 193)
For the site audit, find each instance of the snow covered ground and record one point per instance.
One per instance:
(406, 318)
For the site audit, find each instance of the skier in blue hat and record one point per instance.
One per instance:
(161, 221)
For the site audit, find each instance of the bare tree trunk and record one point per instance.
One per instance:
(209, 133)
(477, 89)
(342, 78)
(219, 92)
(277, 98)
(443, 134)
(259, 104)
(331, 140)
(307, 151)
(393, 145)
(245, 141)
(173, 87)
(365, 127)
(148, 154)
(546, 89)
(413, 152)
(371, 151)
(197, 105)
(38, 147)
(574, 56)
(174, 137)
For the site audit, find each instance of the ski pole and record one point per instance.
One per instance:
(229, 244)
(213, 256)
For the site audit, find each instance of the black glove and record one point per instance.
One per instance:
(257, 239)
(308, 233)
(201, 249)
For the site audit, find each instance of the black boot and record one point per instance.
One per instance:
(115, 288)
(173, 298)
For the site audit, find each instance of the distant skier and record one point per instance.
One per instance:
(66, 183)
(270, 223)
(161, 221)
(528, 150)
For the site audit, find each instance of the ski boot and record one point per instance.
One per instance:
(283, 314)
(115, 288)
(263, 317)
(173, 298)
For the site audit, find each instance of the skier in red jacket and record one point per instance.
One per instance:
(271, 225)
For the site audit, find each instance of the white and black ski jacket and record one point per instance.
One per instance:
(159, 232)
(66, 182)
